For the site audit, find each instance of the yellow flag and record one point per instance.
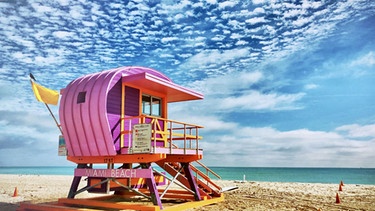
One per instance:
(44, 94)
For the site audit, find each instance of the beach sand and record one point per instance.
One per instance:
(248, 195)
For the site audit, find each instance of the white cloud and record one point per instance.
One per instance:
(49, 60)
(42, 8)
(64, 2)
(234, 23)
(178, 16)
(254, 100)
(256, 20)
(302, 21)
(258, 10)
(236, 36)
(63, 34)
(115, 5)
(308, 4)
(228, 84)
(358, 131)
(215, 57)
(311, 86)
(267, 146)
(77, 12)
(241, 42)
(365, 60)
(232, 92)
(36, 137)
(174, 8)
(89, 24)
(259, 1)
(23, 57)
(211, 1)
(168, 39)
(218, 38)
(292, 13)
(225, 4)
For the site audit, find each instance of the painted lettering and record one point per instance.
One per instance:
(124, 173)
(116, 173)
(133, 173)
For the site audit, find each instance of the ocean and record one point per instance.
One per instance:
(265, 174)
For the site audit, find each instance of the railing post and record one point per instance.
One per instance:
(196, 138)
(155, 134)
(190, 141)
(122, 128)
(130, 135)
(184, 138)
(170, 136)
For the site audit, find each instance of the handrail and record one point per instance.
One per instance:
(208, 169)
(165, 130)
(204, 176)
(168, 120)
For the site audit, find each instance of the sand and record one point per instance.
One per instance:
(248, 195)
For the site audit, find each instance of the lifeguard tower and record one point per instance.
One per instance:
(116, 129)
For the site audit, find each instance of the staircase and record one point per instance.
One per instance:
(200, 184)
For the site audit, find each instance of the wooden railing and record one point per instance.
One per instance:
(205, 177)
(165, 132)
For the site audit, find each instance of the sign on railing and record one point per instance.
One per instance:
(141, 138)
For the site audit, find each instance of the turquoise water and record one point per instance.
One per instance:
(305, 175)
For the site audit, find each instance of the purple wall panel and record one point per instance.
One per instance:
(131, 101)
(114, 99)
(115, 129)
(131, 109)
(114, 112)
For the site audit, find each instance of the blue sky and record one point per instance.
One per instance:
(286, 83)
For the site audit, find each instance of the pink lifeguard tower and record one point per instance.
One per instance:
(119, 118)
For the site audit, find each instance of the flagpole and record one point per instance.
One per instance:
(49, 109)
(54, 118)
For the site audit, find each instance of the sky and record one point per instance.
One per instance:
(285, 83)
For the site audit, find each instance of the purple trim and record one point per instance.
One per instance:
(154, 193)
(191, 179)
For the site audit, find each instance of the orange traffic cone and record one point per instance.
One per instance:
(15, 192)
(340, 187)
(337, 198)
(341, 183)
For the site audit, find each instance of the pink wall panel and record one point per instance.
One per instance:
(87, 132)
(102, 126)
(77, 117)
(67, 120)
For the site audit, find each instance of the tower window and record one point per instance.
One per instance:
(81, 98)
(151, 105)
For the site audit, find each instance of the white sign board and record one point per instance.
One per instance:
(62, 147)
(141, 138)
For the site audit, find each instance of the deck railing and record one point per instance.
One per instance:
(164, 132)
